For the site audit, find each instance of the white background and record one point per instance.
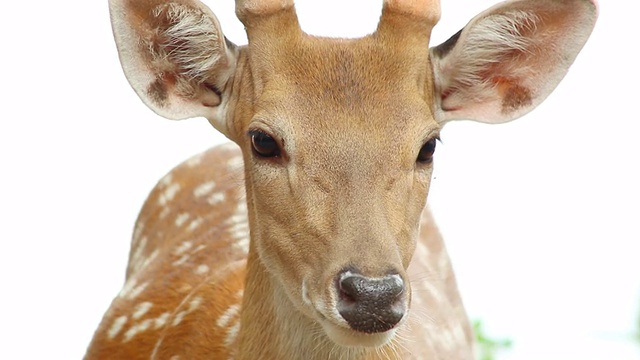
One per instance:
(541, 216)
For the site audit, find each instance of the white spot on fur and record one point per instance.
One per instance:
(137, 329)
(183, 259)
(167, 179)
(193, 305)
(135, 292)
(228, 315)
(195, 160)
(239, 219)
(204, 189)
(168, 194)
(141, 309)
(183, 247)
(242, 245)
(117, 325)
(164, 213)
(161, 320)
(239, 227)
(181, 219)
(195, 223)
(241, 208)
(202, 269)
(240, 231)
(128, 286)
(232, 334)
(178, 318)
(198, 249)
(137, 253)
(216, 198)
(137, 232)
(144, 263)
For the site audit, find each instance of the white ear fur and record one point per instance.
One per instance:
(175, 57)
(508, 59)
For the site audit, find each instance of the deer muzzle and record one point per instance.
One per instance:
(371, 305)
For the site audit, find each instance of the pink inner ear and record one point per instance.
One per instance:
(513, 94)
(509, 58)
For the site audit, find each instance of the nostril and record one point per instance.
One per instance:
(350, 287)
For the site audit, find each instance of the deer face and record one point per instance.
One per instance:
(338, 159)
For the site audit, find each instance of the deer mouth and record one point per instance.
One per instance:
(342, 333)
(345, 336)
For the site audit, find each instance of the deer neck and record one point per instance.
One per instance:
(269, 327)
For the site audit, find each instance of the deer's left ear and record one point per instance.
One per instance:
(508, 59)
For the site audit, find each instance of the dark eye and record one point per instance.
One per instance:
(425, 156)
(263, 144)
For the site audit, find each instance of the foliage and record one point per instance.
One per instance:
(487, 348)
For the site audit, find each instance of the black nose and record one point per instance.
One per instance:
(370, 305)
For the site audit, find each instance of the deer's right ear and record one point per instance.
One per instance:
(175, 57)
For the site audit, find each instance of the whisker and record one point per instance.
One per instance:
(428, 275)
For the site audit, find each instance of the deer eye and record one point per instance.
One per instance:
(425, 156)
(264, 145)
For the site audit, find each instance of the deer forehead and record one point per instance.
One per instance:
(344, 95)
(324, 68)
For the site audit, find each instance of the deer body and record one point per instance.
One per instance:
(321, 247)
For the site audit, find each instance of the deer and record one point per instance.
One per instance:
(308, 236)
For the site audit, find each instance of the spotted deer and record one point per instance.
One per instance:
(310, 238)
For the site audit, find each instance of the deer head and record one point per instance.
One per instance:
(338, 135)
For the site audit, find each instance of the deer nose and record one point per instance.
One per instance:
(370, 305)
